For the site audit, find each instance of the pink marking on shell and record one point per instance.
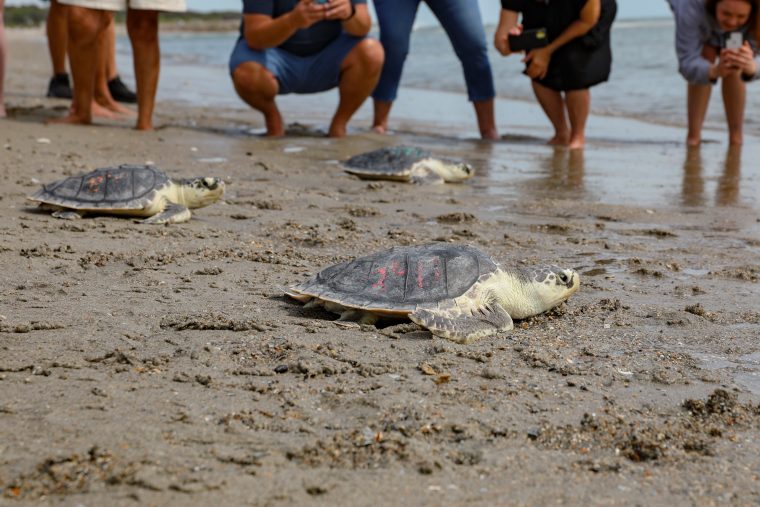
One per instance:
(397, 270)
(383, 275)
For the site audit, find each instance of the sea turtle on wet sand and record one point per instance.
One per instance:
(129, 190)
(407, 163)
(455, 291)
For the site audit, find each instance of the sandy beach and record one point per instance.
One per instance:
(162, 366)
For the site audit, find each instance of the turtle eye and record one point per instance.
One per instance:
(563, 277)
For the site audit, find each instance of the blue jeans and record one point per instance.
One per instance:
(464, 26)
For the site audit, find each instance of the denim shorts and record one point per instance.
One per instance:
(299, 74)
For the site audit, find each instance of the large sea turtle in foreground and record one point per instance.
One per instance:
(456, 291)
(129, 190)
(407, 163)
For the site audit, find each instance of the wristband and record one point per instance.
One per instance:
(353, 11)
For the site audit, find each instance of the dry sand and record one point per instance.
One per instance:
(148, 365)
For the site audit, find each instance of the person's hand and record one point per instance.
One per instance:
(308, 12)
(726, 65)
(538, 62)
(742, 59)
(338, 9)
(501, 39)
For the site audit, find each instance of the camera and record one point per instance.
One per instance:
(733, 40)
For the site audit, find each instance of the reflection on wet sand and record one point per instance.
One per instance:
(693, 185)
(564, 170)
(727, 193)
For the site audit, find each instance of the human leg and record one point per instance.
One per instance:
(395, 19)
(578, 104)
(110, 50)
(84, 28)
(697, 100)
(734, 98)
(3, 52)
(258, 87)
(57, 37)
(142, 26)
(359, 73)
(116, 87)
(554, 107)
(105, 105)
(464, 26)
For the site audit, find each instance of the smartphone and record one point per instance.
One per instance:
(528, 39)
(321, 2)
(733, 40)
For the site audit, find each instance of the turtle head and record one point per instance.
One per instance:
(452, 171)
(554, 284)
(200, 192)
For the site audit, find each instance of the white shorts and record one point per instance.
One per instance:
(122, 5)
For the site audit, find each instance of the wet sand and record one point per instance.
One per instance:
(146, 365)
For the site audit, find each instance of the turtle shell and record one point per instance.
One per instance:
(392, 160)
(123, 187)
(400, 279)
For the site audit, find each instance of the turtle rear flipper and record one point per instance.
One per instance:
(173, 213)
(464, 328)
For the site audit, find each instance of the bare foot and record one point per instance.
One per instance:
(559, 140)
(577, 142)
(380, 129)
(691, 141)
(144, 127)
(489, 135)
(337, 130)
(117, 108)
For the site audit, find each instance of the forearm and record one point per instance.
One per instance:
(507, 19)
(360, 23)
(263, 31)
(589, 16)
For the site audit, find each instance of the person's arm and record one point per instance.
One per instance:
(262, 31)
(539, 58)
(689, 45)
(744, 60)
(354, 16)
(507, 26)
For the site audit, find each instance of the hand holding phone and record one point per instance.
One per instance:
(733, 40)
(528, 39)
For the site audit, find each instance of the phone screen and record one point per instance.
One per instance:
(735, 40)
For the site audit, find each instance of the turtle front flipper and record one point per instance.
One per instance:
(425, 175)
(67, 214)
(173, 213)
(464, 328)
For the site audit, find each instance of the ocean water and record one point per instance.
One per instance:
(644, 84)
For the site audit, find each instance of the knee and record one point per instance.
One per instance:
(371, 55)
(252, 77)
(142, 26)
(85, 24)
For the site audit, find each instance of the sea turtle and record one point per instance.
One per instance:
(407, 163)
(129, 190)
(456, 291)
